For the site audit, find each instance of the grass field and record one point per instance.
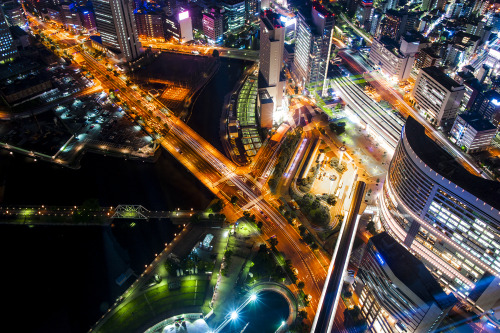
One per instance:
(157, 300)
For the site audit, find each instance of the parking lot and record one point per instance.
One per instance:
(95, 120)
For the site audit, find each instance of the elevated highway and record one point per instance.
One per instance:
(327, 308)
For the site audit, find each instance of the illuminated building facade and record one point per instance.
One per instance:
(272, 44)
(488, 105)
(14, 14)
(437, 95)
(116, 25)
(185, 27)
(213, 25)
(396, 291)
(364, 14)
(8, 51)
(395, 61)
(69, 16)
(313, 44)
(472, 132)
(447, 217)
(172, 28)
(87, 18)
(149, 24)
(235, 14)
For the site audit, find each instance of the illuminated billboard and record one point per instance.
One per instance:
(183, 15)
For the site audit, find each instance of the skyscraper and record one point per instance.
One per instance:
(8, 51)
(235, 13)
(186, 27)
(149, 24)
(116, 24)
(213, 25)
(313, 45)
(272, 41)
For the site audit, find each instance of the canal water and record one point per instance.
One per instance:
(207, 110)
(61, 279)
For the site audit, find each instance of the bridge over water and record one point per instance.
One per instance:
(84, 215)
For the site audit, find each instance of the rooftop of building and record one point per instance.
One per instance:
(264, 96)
(322, 9)
(477, 122)
(431, 52)
(290, 48)
(96, 39)
(305, 12)
(411, 271)
(149, 11)
(232, 2)
(25, 83)
(19, 66)
(492, 94)
(442, 78)
(17, 32)
(415, 36)
(271, 19)
(391, 45)
(444, 164)
(463, 37)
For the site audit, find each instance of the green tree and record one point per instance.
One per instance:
(217, 206)
(370, 226)
(273, 241)
(302, 314)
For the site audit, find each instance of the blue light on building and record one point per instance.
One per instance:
(380, 259)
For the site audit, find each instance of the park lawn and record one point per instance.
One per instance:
(139, 310)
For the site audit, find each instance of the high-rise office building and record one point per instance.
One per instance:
(437, 95)
(472, 132)
(213, 25)
(272, 41)
(69, 16)
(397, 22)
(396, 291)
(14, 14)
(149, 24)
(313, 45)
(426, 57)
(445, 215)
(169, 7)
(186, 27)
(375, 22)
(87, 18)
(172, 28)
(428, 5)
(487, 104)
(394, 60)
(116, 25)
(364, 14)
(8, 51)
(252, 9)
(234, 10)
